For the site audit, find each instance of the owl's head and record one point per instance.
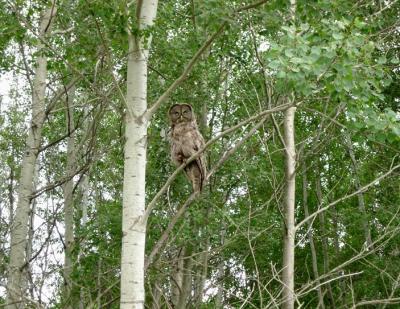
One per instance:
(179, 113)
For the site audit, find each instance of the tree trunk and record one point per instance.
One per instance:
(68, 199)
(186, 287)
(201, 273)
(133, 227)
(84, 206)
(289, 234)
(290, 178)
(29, 246)
(19, 228)
(324, 236)
(221, 273)
(311, 240)
(360, 196)
(177, 278)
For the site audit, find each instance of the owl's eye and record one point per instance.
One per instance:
(176, 113)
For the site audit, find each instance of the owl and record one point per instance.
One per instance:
(186, 140)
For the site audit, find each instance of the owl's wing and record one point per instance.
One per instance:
(201, 160)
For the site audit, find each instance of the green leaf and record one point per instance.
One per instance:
(382, 60)
(274, 64)
(281, 74)
(289, 53)
(337, 36)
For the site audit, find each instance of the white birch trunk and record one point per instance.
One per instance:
(19, 228)
(133, 227)
(289, 234)
(288, 296)
(68, 199)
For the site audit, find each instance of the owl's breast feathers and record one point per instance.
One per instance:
(186, 141)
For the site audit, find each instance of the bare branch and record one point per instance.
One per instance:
(150, 112)
(152, 204)
(362, 189)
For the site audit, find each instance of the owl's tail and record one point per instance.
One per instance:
(196, 173)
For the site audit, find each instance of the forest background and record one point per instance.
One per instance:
(298, 102)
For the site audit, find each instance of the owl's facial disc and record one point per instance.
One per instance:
(186, 113)
(175, 113)
(181, 113)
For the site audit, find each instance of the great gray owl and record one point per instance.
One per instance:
(186, 140)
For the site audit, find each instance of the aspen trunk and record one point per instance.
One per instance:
(186, 287)
(98, 283)
(289, 234)
(311, 240)
(133, 227)
(342, 284)
(68, 199)
(221, 273)
(31, 232)
(288, 296)
(84, 204)
(201, 274)
(360, 196)
(84, 219)
(325, 248)
(177, 278)
(19, 228)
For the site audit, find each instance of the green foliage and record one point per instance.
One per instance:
(336, 59)
(341, 69)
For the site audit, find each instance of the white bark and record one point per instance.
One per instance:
(133, 227)
(19, 228)
(289, 236)
(68, 199)
(288, 296)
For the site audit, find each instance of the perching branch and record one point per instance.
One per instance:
(152, 204)
(194, 195)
